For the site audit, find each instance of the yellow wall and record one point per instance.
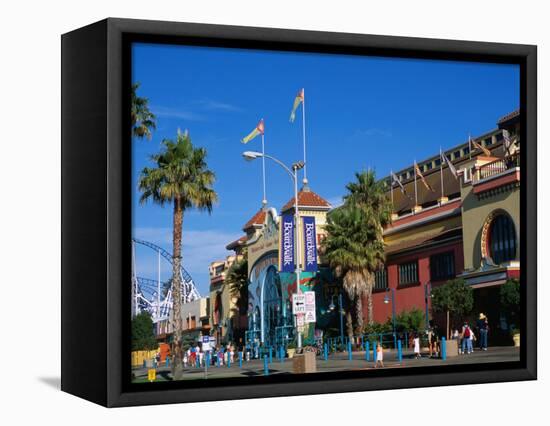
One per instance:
(139, 356)
(475, 213)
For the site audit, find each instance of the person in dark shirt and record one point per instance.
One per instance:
(483, 327)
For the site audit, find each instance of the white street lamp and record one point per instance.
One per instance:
(253, 155)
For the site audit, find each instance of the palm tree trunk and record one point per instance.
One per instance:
(369, 308)
(349, 323)
(176, 289)
(359, 315)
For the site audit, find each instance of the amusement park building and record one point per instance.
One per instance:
(269, 319)
(223, 313)
(463, 226)
(195, 321)
(468, 228)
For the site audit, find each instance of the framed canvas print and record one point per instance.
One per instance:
(253, 212)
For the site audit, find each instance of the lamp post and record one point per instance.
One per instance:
(253, 155)
(387, 300)
(427, 295)
(331, 307)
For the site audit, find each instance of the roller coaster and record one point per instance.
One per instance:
(155, 296)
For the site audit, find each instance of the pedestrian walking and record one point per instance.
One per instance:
(483, 327)
(379, 356)
(416, 342)
(466, 339)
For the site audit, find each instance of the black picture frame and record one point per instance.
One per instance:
(96, 192)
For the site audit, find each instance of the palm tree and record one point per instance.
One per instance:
(371, 196)
(237, 279)
(353, 251)
(368, 192)
(181, 177)
(143, 120)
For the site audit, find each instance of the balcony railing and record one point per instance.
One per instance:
(498, 167)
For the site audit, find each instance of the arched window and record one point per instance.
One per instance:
(502, 239)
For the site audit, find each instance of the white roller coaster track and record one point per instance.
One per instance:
(147, 294)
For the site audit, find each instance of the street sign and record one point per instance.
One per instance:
(300, 320)
(310, 306)
(298, 304)
(208, 343)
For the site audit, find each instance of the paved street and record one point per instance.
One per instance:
(336, 362)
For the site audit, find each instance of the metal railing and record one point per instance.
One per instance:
(498, 167)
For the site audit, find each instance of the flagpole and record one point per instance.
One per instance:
(391, 189)
(264, 200)
(415, 194)
(304, 133)
(441, 169)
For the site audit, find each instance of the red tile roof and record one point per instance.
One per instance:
(236, 243)
(508, 116)
(257, 219)
(307, 198)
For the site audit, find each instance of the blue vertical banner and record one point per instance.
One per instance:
(286, 251)
(310, 244)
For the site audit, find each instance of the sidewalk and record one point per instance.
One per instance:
(337, 362)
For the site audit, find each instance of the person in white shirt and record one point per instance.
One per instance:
(417, 346)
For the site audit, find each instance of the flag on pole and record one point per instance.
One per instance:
(452, 168)
(259, 130)
(478, 146)
(510, 145)
(396, 180)
(297, 101)
(422, 178)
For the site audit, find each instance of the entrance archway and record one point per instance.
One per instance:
(272, 306)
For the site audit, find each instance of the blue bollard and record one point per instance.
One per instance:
(208, 358)
(167, 362)
(266, 368)
(282, 352)
(198, 362)
(349, 350)
(144, 364)
(443, 349)
(399, 351)
(270, 355)
(367, 350)
(240, 359)
(374, 351)
(325, 348)
(228, 359)
(218, 360)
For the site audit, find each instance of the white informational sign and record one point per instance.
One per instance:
(300, 320)
(310, 306)
(208, 343)
(298, 304)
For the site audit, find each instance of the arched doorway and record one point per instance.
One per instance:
(502, 239)
(272, 306)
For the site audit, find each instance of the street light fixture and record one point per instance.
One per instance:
(253, 155)
(386, 301)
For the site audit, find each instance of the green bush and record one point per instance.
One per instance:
(377, 328)
(143, 336)
(413, 320)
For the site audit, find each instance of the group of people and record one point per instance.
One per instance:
(195, 356)
(467, 336)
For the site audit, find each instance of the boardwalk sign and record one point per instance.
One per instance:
(310, 244)
(286, 251)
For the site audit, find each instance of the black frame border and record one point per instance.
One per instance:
(114, 379)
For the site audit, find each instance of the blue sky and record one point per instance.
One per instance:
(360, 112)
